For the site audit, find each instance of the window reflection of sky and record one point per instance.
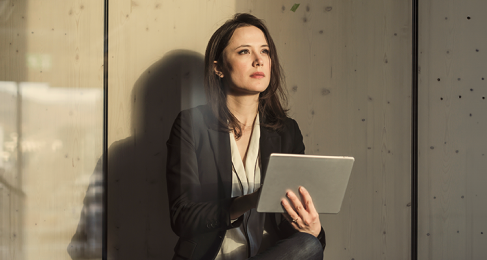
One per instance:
(42, 92)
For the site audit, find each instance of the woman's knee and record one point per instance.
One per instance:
(310, 247)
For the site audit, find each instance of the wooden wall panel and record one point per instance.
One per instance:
(453, 122)
(155, 70)
(51, 118)
(348, 68)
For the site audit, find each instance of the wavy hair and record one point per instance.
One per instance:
(272, 101)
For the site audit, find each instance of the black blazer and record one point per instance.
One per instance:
(199, 179)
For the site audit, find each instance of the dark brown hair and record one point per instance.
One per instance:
(271, 101)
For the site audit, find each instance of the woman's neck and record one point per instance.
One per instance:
(244, 108)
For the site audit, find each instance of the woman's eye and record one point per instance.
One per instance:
(266, 51)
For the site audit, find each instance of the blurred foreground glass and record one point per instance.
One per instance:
(51, 129)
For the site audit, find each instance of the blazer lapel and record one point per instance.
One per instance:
(220, 144)
(270, 142)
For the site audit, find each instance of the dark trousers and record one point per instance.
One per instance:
(298, 246)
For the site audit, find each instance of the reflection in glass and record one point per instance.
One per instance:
(51, 125)
(50, 141)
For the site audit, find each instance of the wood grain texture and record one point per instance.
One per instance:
(155, 70)
(348, 74)
(12, 70)
(452, 215)
(348, 69)
(52, 51)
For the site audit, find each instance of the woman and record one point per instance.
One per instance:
(218, 154)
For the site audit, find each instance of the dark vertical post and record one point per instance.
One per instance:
(105, 129)
(414, 135)
(19, 184)
(18, 198)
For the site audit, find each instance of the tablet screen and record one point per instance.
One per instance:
(325, 178)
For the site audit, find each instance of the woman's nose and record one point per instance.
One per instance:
(258, 60)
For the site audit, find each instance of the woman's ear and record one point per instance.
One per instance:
(217, 69)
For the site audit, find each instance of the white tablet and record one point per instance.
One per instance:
(325, 178)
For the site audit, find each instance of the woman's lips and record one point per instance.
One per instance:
(258, 75)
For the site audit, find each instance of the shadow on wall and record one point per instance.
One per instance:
(138, 208)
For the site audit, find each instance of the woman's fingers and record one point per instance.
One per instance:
(307, 200)
(291, 214)
(301, 218)
(287, 217)
(297, 204)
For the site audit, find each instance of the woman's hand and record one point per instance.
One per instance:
(255, 197)
(304, 218)
(242, 204)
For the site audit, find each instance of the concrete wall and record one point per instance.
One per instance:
(452, 127)
(348, 69)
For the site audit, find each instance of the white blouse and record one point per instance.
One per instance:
(245, 180)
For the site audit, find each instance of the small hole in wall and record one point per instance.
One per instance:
(459, 96)
(468, 17)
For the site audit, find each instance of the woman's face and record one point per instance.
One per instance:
(247, 69)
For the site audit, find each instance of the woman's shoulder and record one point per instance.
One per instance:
(198, 111)
(203, 116)
(285, 125)
(291, 137)
(190, 124)
(196, 116)
(290, 124)
(288, 128)
(290, 121)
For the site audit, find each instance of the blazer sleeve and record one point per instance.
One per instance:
(298, 148)
(189, 214)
